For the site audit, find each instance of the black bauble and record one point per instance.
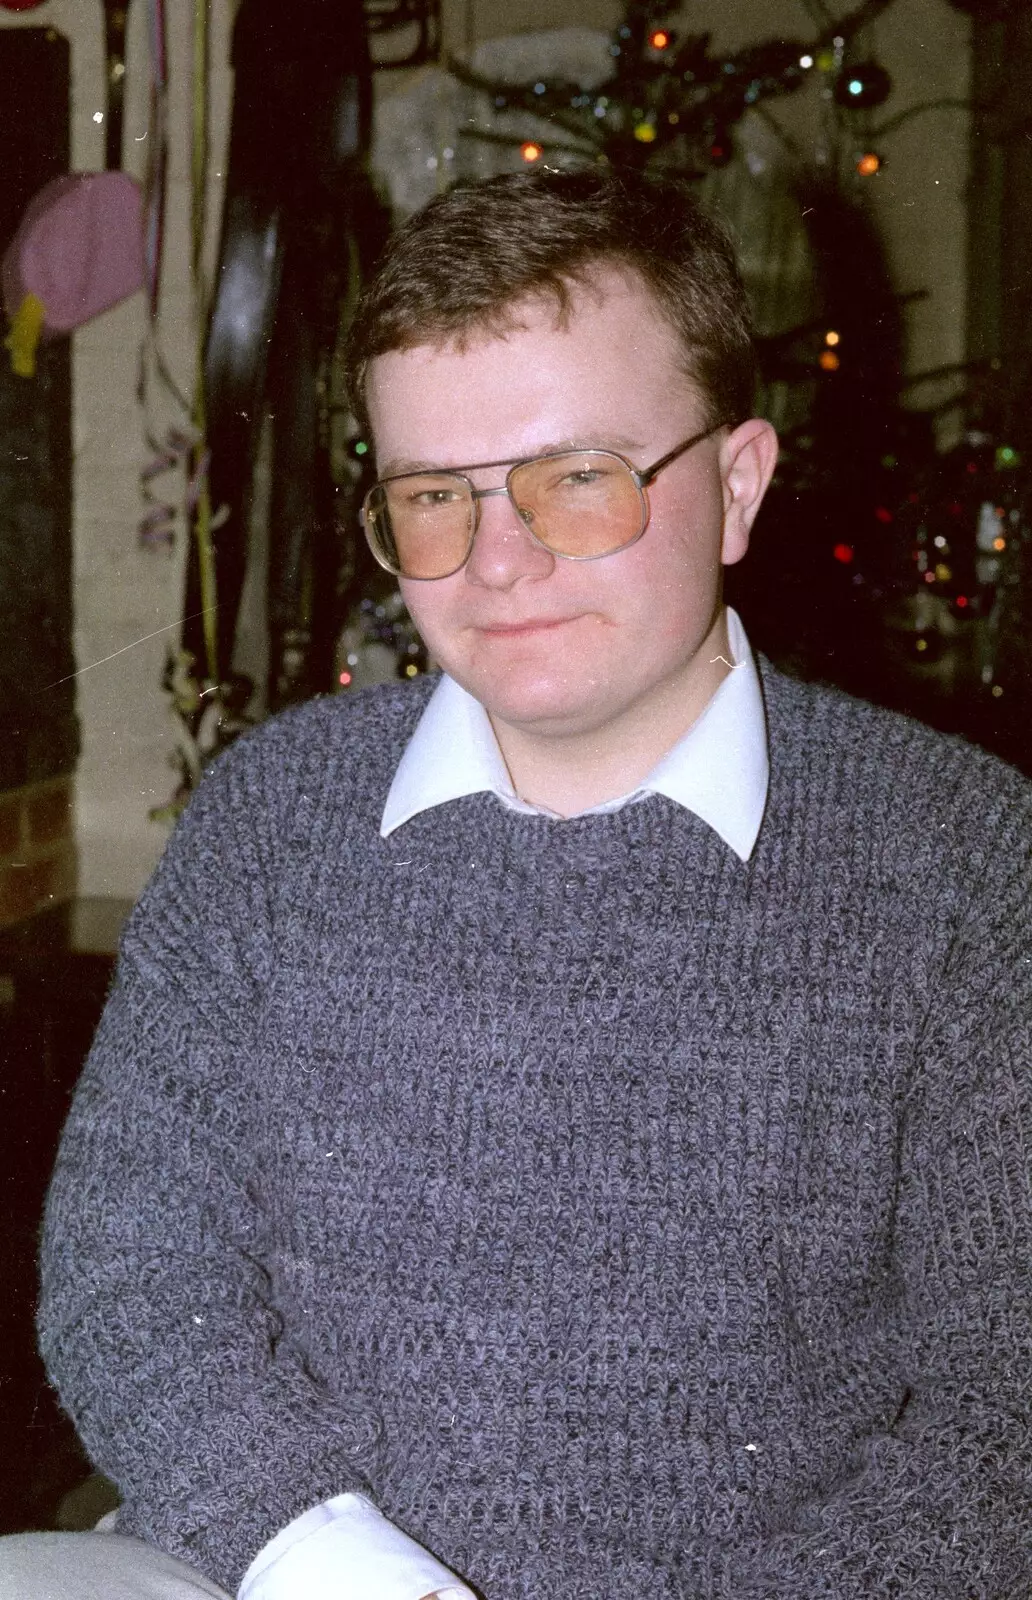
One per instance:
(862, 86)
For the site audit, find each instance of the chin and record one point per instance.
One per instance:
(527, 689)
(546, 709)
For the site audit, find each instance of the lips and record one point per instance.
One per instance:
(504, 630)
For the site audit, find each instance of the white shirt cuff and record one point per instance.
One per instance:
(345, 1549)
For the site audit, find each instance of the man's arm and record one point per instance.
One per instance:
(157, 1320)
(941, 1504)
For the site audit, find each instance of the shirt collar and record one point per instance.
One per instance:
(719, 769)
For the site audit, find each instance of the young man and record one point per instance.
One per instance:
(561, 1130)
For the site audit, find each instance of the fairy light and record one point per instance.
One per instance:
(659, 38)
(869, 163)
(530, 150)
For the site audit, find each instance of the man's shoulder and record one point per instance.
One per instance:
(307, 771)
(362, 734)
(886, 764)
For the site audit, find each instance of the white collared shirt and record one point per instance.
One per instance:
(718, 769)
(345, 1549)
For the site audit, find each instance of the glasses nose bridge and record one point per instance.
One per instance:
(476, 495)
(485, 494)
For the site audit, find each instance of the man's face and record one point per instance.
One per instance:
(549, 646)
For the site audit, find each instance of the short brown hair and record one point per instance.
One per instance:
(463, 265)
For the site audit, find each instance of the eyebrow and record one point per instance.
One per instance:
(618, 443)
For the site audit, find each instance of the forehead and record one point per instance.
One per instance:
(608, 367)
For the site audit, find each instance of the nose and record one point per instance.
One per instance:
(503, 550)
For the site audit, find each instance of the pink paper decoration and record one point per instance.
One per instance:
(78, 249)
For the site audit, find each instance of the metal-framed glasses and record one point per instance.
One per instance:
(579, 504)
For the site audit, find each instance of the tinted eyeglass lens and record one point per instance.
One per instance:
(581, 505)
(420, 524)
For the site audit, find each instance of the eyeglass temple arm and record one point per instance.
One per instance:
(646, 475)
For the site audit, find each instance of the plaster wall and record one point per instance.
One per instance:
(128, 599)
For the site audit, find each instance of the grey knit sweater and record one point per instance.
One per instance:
(628, 1222)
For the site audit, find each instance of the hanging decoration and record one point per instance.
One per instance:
(77, 253)
(115, 15)
(179, 450)
(167, 505)
(265, 338)
(862, 86)
(78, 249)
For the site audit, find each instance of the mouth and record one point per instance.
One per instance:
(516, 630)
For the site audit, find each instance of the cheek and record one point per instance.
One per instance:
(672, 595)
(671, 575)
(437, 617)
(690, 516)
(424, 606)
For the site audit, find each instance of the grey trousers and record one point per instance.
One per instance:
(95, 1566)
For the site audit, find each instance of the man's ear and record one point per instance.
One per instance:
(748, 457)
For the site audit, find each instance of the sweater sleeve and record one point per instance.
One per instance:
(156, 1320)
(941, 1503)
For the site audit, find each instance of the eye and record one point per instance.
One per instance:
(424, 493)
(433, 497)
(597, 474)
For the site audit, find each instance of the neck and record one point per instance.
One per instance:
(571, 772)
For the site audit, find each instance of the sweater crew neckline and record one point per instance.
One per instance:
(719, 769)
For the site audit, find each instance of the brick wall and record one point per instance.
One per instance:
(37, 848)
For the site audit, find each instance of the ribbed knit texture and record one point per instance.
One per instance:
(627, 1221)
